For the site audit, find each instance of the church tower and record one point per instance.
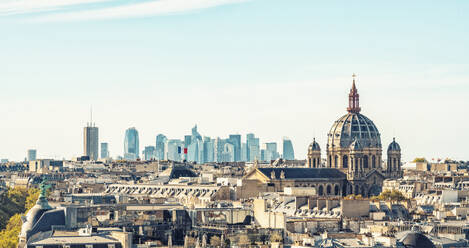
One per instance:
(314, 155)
(393, 168)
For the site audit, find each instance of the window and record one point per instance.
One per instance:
(336, 190)
(329, 189)
(365, 161)
(335, 161)
(345, 161)
(373, 161)
(321, 190)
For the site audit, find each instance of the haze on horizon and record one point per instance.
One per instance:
(270, 67)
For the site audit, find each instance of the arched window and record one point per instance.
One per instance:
(394, 164)
(373, 161)
(336, 158)
(330, 161)
(345, 161)
(321, 190)
(314, 163)
(365, 161)
(356, 164)
(329, 189)
(336, 190)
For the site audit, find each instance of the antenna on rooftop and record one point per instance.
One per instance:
(91, 115)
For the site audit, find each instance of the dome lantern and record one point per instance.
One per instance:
(354, 98)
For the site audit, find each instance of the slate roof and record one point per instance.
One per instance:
(303, 173)
(416, 240)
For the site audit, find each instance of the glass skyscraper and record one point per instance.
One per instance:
(288, 153)
(32, 154)
(235, 140)
(270, 151)
(91, 141)
(149, 153)
(131, 144)
(104, 150)
(160, 147)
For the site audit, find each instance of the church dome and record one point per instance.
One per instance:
(314, 146)
(354, 126)
(356, 146)
(351, 127)
(394, 146)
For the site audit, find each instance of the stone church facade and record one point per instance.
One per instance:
(354, 147)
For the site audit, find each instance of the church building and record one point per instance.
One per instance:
(354, 162)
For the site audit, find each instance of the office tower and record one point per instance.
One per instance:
(249, 140)
(195, 148)
(219, 147)
(149, 153)
(174, 149)
(31, 154)
(288, 153)
(131, 144)
(270, 151)
(187, 140)
(254, 149)
(208, 149)
(193, 152)
(254, 152)
(91, 141)
(227, 154)
(235, 140)
(244, 152)
(104, 150)
(160, 146)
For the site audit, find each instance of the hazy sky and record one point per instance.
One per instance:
(274, 68)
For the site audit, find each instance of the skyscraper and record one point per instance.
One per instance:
(32, 154)
(131, 144)
(91, 141)
(244, 152)
(104, 150)
(173, 149)
(270, 151)
(288, 153)
(208, 149)
(249, 138)
(235, 140)
(149, 153)
(195, 147)
(160, 146)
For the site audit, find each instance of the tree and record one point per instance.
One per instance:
(9, 236)
(15, 202)
(276, 237)
(419, 160)
(33, 195)
(215, 241)
(354, 197)
(389, 195)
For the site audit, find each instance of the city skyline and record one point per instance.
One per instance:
(231, 70)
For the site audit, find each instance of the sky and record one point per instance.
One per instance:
(270, 67)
